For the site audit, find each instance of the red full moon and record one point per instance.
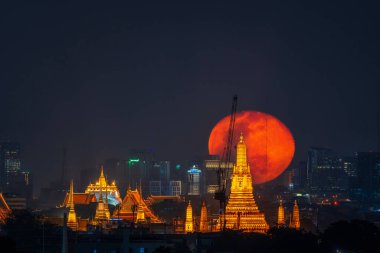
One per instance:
(270, 144)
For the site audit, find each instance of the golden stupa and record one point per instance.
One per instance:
(242, 212)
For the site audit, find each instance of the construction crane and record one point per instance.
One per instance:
(224, 166)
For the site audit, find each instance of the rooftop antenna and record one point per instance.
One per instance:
(378, 131)
(63, 169)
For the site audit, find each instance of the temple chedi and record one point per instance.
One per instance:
(242, 212)
(281, 215)
(203, 226)
(72, 221)
(102, 212)
(189, 225)
(295, 218)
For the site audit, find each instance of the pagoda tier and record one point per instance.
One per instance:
(131, 204)
(242, 212)
(102, 212)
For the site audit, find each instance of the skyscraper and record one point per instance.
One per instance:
(368, 177)
(325, 171)
(10, 162)
(241, 210)
(194, 180)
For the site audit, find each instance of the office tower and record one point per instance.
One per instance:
(194, 180)
(368, 175)
(325, 171)
(10, 162)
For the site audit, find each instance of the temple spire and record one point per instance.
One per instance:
(281, 215)
(102, 179)
(203, 224)
(241, 153)
(72, 217)
(189, 225)
(295, 221)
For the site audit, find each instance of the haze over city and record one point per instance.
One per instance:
(185, 127)
(88, 77)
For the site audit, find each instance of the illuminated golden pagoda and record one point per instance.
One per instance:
(102, 212)
(72, 221)
(281, 215)
(203, 227)
(189, 225)
(295, 218)
(242, 212)
(113, 197)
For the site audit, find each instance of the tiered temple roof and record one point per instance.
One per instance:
(81, 198)
(129, 207)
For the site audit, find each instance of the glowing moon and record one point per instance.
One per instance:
(270, 144)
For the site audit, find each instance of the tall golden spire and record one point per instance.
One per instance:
(189, 225)
(281, 215)
(203, 224)
(295, 219)
(102, 179)
(241, 154)
(72, 217)
(242, 212)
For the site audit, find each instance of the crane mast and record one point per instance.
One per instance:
(224, 166)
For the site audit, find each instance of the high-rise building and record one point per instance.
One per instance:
(118, 169)
(175, 188)
(10, 162)
(14, 181)
(325, 171)
(368, 175)
(242, 212)
(194, 180)
(155, 188)
(300, 175)
(212, 165)
(159, 175)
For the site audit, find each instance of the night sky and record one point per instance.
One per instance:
(101, 79)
